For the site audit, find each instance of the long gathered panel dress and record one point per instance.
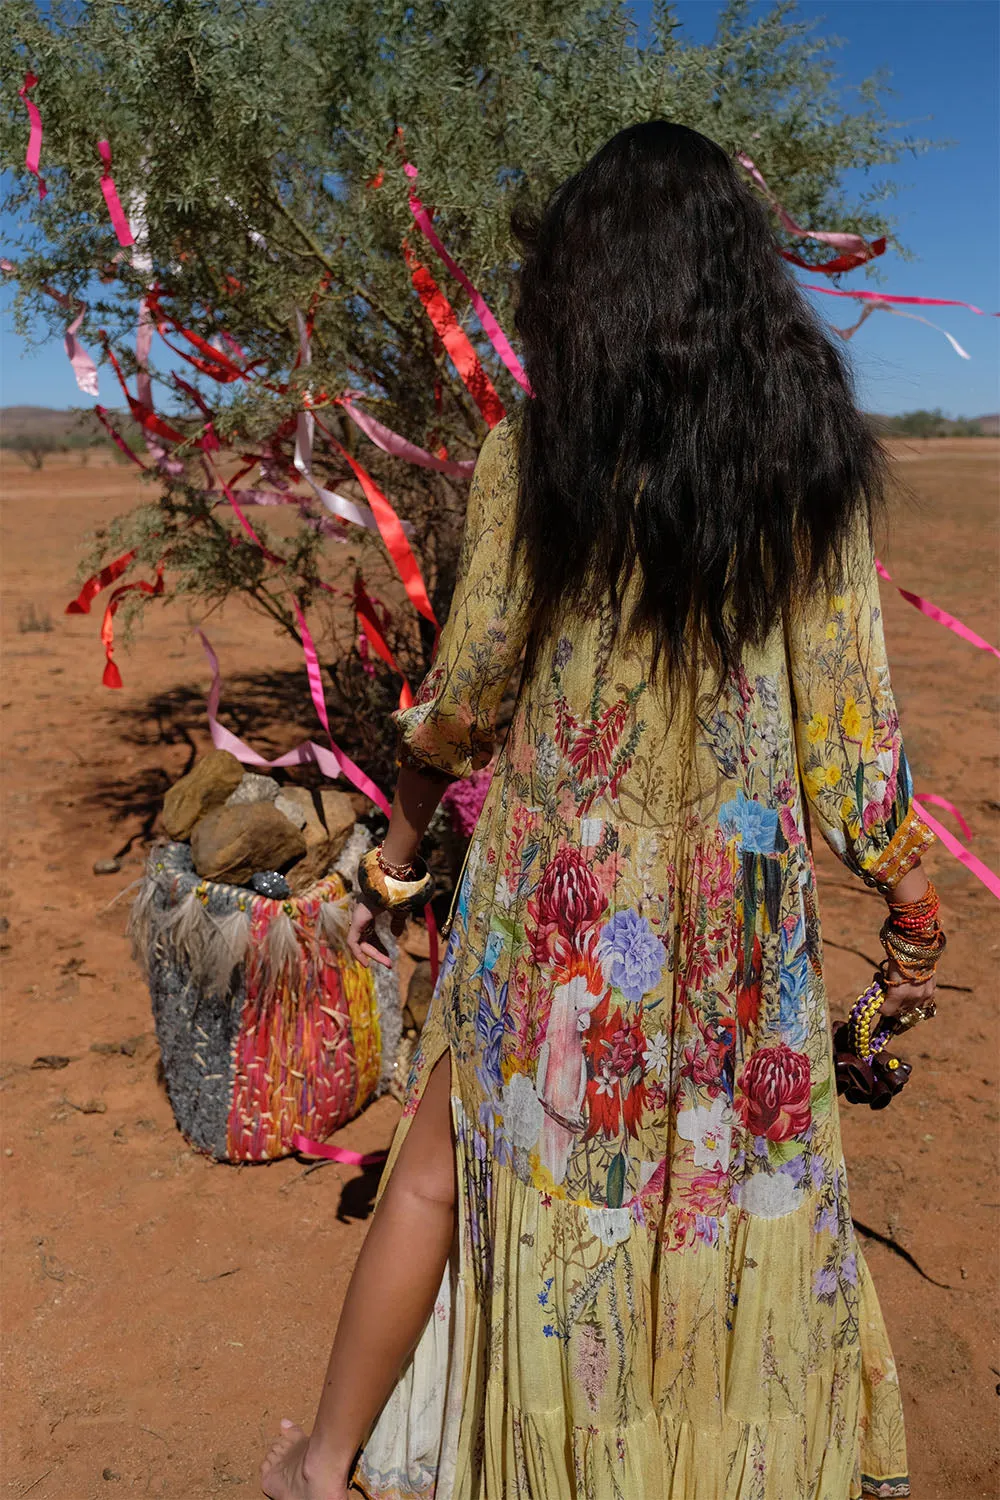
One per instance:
(657, 1293)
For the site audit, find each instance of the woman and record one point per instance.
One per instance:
(613, 1254)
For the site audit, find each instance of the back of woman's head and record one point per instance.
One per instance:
(692, 425)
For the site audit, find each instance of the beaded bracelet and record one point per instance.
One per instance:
(916, 917)
(397, 872)
(866, 1007)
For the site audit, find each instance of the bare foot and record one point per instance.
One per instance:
(289, 1472)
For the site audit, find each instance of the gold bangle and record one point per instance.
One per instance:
(383, 892)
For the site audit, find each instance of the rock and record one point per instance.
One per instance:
(254, 788)
(297, 805)
(326, 831)
(230, 843)
(107, 866)
(415, 940)
(419, 993)
(214, 779)
(271, 884)
(338, 816)
(51, 1060)
(126, 1048)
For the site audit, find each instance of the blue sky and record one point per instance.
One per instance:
(943, 59)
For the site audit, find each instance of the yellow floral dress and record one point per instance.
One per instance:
(657, 1292)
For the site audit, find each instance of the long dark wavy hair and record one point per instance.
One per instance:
(692, 423)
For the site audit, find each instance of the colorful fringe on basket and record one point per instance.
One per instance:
(267, 1025)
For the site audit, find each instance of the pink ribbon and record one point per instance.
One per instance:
(934, 612)
(84, 369)
(400, 447)
(856, 248)
(333, 763)
(117, 213)
(975, 866)
(305, 432)
(897, 312)
(490, 326)
(33, 155)
(337, 1153)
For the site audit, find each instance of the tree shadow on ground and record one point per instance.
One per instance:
(271, 710)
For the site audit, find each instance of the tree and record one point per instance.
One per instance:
(262, 144)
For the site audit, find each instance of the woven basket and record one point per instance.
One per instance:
(266, 1024)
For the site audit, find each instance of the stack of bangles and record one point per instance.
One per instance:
(912, 937)
(913, 941)
(396, 888)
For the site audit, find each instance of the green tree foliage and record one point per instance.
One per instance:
(929, 424)
(248, 133)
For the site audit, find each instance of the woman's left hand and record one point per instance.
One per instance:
(362, 939)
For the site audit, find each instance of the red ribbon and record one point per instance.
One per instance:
(365, 610)
(33, 155)
(488, 322)
(463, 356)
(97, 583)
(112, 677)
(146, 417)
(391, 530)
(216, 364)
(847, 262)
(117, 213)
(433, 943)
(101, 413)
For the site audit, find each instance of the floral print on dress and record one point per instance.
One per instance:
(658, 1276)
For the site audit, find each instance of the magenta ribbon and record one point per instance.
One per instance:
(337, 1153)
(490, 326)
(117, 213)
(830, 291)
(33, 155)
(934, 612)
(975, 866)
(400, 447)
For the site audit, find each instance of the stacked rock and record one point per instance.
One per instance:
(245, 829)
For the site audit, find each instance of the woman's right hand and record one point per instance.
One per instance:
(902, 994)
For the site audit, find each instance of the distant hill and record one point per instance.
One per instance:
(927, 424)
(46, 422)
(47, 430)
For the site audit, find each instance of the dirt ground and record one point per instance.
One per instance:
(161, 1313)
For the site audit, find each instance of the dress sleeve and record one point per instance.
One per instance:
(451, 726)
(850, 751)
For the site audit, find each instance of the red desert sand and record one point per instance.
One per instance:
(160, 1313)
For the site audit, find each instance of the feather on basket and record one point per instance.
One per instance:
(266, 1023)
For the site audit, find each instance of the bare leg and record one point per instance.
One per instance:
(388, 1302)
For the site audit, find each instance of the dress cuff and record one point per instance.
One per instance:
(908, 844)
